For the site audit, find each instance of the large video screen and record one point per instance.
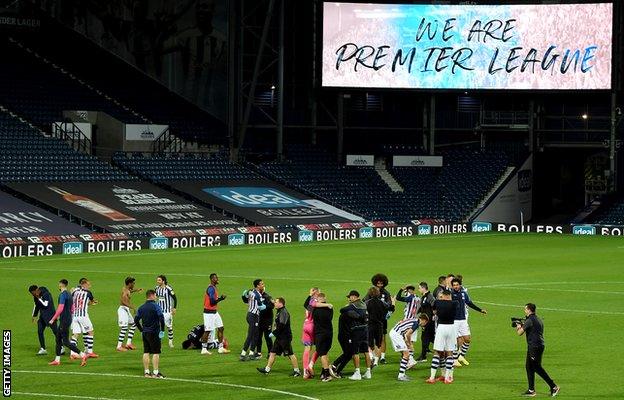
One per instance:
(422, 46)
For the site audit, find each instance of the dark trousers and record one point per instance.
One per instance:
(62, 339)
(41, 325)
(264, 330)
(252, 332)
(427, 337)
(534, 366)
(347, 354)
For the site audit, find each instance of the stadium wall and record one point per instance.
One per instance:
(36, 246)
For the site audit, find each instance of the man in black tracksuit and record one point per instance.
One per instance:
(44, 308)
(353, 336)
(426, 307)
(265, 323)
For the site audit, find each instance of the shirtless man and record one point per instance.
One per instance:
(125, 316)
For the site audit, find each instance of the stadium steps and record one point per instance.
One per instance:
(24, 121)
(78, 80)
(386, 176)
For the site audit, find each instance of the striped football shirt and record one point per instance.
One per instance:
(80, 300)
(165, 298)
(406, 324)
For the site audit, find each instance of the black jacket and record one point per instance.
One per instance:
(353, 317)
(282, 329)
(377, 311)
(426, 304)
(44, 305)
(322, 318)
(266, 315)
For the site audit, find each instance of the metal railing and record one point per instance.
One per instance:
(167, 142)
(505, 118)
(70, 133)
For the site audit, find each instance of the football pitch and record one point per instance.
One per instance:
(576, 282)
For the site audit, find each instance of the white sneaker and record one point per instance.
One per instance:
(410, 363)
(205, 352)
(404, 378)
(356, 376)
(223, 350)
(42, 352)
(171, 344)
(367, 375)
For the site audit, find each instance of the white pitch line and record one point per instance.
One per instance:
(557, 290)
(555, 309)
(530, 284)
(90, 256)
(179, 274)
(65, 396)
(232, 385)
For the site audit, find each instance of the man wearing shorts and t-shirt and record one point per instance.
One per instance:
(150, 321)
(401, 338)
(82, 298)
(323, 334)
(212, 320)
(283, 340)
(446, 337)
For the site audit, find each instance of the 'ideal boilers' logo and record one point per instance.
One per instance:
(366, 233)
(481, 227)
(72, 248)
(584, 230)
(306, 236)
(236, 239)
(424, 229)
(256, 197)
(159, 243)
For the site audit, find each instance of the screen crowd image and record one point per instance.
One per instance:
(320, 200)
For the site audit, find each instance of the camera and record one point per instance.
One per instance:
(517, 321)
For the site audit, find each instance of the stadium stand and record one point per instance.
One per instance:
(28, 156)
(182, 167)
(613, 215)
(35, 88)
(130, 86)
(449, 193)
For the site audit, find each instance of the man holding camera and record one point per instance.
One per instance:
(534, 329)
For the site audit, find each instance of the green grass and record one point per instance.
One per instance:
(583, 275)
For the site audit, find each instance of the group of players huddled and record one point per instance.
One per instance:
(442, 317)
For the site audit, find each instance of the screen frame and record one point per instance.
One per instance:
(320, 46)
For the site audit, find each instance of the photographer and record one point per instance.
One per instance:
(534, 329)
